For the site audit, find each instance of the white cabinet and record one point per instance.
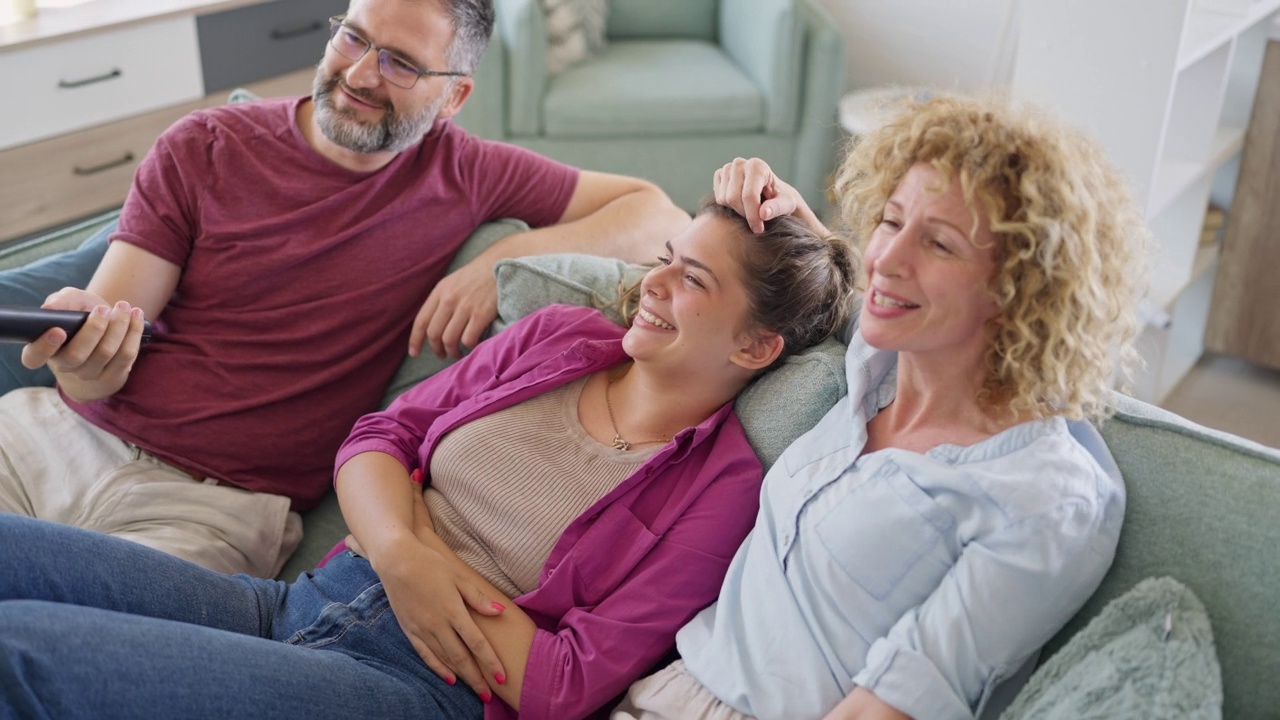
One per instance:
(1167, 86)
(90, 86)
(91, 79)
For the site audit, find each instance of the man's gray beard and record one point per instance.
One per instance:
(394, 134)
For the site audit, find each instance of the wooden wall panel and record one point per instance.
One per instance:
(1244, 318)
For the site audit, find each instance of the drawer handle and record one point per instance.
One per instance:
(128, 158)
(67, 84)
(297, 31)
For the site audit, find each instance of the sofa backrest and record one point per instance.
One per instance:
(659, 19)
(1203, 507)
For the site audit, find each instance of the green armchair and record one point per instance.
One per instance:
(682, 87)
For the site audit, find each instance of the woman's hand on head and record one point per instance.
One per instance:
(750, 188)
(431, 599)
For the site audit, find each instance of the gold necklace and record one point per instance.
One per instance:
(618, 442)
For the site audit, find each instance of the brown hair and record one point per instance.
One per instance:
(799, 285)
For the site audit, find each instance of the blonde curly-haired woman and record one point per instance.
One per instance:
(946, 518)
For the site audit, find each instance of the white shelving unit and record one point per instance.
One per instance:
(1167, 86)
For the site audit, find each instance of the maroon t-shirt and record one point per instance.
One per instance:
(300, 281)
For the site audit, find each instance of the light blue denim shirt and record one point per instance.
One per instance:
(926, 578)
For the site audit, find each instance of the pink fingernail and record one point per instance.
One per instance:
(485, 697)
(416, 476)
(502, 679)
(498, 606)
(449, 679)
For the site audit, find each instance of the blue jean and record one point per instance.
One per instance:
(92, 626)
(30, 284)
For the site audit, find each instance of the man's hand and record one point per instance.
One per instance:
(96, 362)
(751, 189)
(458, 310)
(430, 600)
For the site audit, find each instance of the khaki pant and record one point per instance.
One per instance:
(672, 694)
(56, 466)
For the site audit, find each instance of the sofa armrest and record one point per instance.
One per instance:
(522, 32)
(1201, 507)
(764, 38)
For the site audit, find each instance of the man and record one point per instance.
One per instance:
(283, 249)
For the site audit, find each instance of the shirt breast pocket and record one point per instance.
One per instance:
(607, 552)
(881, 529)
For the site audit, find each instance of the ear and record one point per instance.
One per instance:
(458, 95)
(758, 350)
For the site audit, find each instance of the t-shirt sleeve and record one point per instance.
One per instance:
(160, 212)
(508, 181)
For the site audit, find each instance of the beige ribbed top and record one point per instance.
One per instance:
(504, 487)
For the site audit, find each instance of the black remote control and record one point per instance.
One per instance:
(25, 324)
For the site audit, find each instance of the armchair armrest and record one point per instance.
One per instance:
(522, 32)
(765, 39)
(823, 83)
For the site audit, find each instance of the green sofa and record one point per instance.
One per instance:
(1202, 505)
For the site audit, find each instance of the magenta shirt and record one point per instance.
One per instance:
(636, 565)
(300, 281)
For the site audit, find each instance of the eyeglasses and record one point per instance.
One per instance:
(351, 45)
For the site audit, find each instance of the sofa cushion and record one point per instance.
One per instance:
(1201, 507)
(1148, 654)
(653, 88)
(635, 19)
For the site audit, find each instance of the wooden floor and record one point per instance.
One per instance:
(1229, 394)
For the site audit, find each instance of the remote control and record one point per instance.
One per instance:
(24, 324)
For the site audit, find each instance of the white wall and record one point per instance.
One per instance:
(959, 44)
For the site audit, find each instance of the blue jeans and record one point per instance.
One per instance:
(92, 626)
(30, 284)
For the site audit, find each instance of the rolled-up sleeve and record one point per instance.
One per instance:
(1007, 594)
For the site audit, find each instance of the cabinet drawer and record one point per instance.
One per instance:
(98, 78)
(250, 43)
(54, 181)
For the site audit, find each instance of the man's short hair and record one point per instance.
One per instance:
(472, 26)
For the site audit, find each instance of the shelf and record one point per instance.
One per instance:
(1167, 294)
(1208, 29)
(1206, 260)
(1174, 177)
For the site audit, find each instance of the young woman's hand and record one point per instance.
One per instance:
(430, 597)
(751, 188)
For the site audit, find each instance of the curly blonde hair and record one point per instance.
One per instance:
(1070, 242)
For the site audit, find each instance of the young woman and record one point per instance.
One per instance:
(587, 487)
(946, 518)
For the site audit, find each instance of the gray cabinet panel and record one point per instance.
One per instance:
(250, 43)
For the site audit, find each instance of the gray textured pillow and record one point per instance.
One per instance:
(530, 283)
(1148, 654)
(775, 409)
